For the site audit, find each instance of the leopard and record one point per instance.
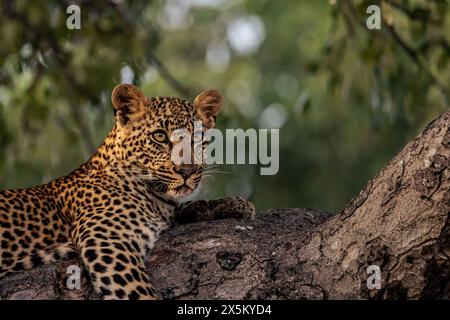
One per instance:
(110, 211)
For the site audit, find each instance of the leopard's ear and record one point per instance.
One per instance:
(207, 105)
(127, 101)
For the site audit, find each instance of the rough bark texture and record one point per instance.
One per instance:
(399, 222)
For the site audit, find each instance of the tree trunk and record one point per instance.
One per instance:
(399, 223)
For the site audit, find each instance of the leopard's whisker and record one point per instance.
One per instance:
(206, 177)
(216, 171)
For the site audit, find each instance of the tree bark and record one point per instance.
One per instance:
(399, 223)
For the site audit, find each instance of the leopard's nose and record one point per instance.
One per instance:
(186, 171)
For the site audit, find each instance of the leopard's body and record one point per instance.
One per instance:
(111, 210)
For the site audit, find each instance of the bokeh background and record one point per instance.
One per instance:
(345, 98)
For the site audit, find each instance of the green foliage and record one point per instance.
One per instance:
(346, 98)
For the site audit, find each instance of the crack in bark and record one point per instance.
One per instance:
(356, 202)
(394, 187)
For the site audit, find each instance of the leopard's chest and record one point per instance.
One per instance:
(121, 212)
(153, 217)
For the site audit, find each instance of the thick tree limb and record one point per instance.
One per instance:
(399, 222)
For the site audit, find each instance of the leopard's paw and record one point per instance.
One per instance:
(232, 207)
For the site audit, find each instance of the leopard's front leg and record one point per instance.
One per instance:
(206, 210)
(113, 258)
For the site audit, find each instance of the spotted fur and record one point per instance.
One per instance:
(111, 210)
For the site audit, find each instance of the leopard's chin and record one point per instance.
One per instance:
(180, 192)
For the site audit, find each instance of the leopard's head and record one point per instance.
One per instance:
(144, 136)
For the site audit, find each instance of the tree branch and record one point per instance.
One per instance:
(151, 58)
(348, 8)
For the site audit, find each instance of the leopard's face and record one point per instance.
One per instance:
(147, 136)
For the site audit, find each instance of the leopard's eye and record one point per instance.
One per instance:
(160, 136)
